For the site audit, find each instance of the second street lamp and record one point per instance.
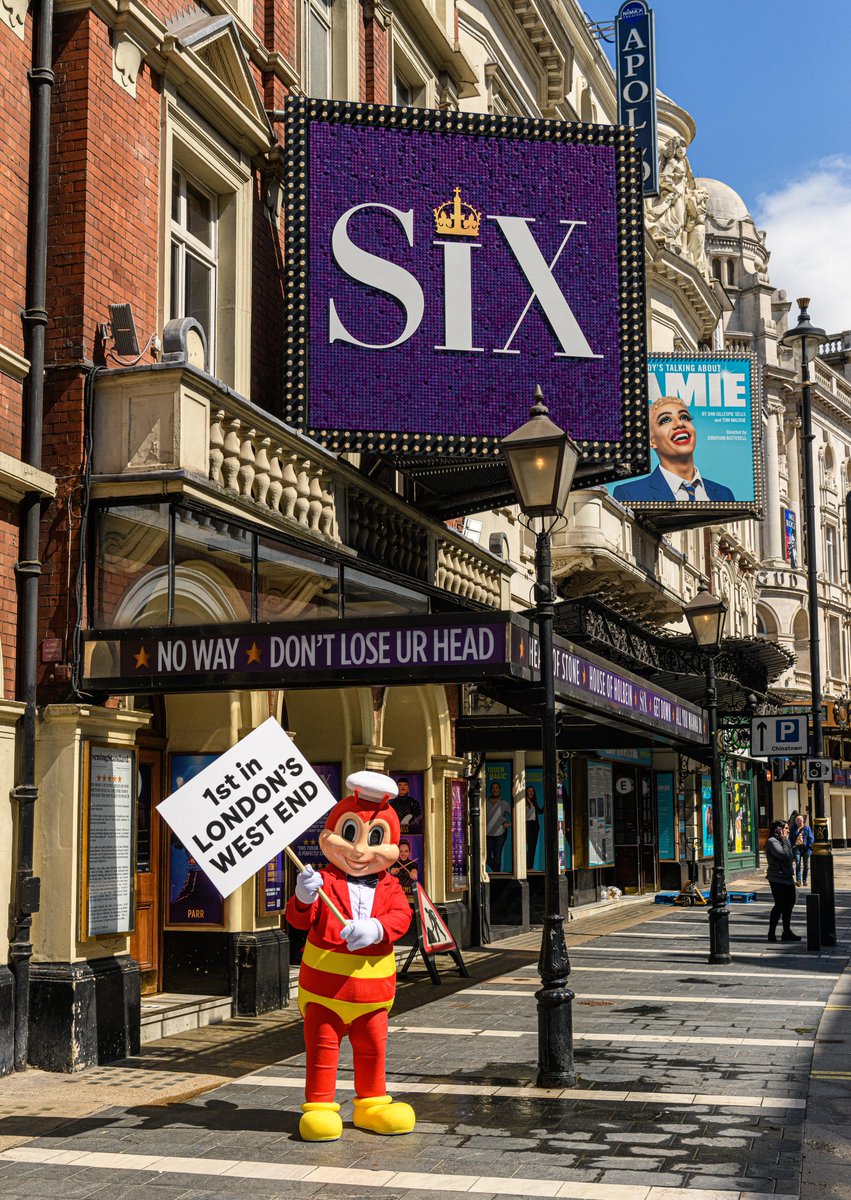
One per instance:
(808, 338)
(706, 615)
(542, 460)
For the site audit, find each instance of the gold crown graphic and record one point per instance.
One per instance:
(457, 219)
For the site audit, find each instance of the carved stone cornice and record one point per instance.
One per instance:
(684, 278)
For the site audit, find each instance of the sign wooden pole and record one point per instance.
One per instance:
(295, 858)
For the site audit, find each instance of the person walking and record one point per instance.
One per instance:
(781, 879)
(801, 837)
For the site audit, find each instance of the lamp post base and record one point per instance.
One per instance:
(719, 936)
(555, 1011)
(821, 876)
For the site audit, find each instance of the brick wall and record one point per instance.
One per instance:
(9, 542)
(104, 192)
(374, 58)
(15, 60)
(104, 247)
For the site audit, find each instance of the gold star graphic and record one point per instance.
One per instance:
(142, 658)
(254, 654)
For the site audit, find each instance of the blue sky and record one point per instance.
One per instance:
(768, 83)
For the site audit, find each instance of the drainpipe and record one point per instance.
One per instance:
(28, 568)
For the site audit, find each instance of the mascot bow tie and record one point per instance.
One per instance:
(369, 881)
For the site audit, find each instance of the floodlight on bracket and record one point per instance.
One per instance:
(121, 330)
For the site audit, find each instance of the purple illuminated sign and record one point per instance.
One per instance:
(317, 650)
(441, 263)
(586, 677)
(452, 647)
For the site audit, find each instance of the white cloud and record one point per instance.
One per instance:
(808, 232)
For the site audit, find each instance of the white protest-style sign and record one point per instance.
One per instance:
(247, 806)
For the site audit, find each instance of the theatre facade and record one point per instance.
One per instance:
(224, 547)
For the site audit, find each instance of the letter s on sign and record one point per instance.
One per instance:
(376, 272)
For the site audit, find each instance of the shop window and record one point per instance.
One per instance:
(294, 588)
(194, 248)
(740, 818)
(131, 567)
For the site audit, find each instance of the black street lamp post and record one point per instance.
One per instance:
(542, 460)
(808, 338)
(706, 615)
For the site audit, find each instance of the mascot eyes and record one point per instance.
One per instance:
(376, 837)
(350, 831)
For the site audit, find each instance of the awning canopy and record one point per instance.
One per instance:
(745, 666)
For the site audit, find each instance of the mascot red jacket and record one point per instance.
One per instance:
(347, 980)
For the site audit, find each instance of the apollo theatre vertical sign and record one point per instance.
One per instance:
(440, 265)
(636, 77)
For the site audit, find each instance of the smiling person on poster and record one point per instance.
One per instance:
(674, 438)
(497, 817)
(534, 812)
(347, 979)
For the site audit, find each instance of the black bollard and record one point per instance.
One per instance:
(813, 922)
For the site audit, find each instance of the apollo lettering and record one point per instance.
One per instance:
(636, 84)
(386, 276)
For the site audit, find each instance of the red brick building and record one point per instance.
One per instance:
(127, 451)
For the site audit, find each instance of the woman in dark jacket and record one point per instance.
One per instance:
(780, 875)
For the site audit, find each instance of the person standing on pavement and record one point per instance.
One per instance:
(778, 853)
(801, 836)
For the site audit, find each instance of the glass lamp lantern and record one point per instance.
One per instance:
(706, 615)
(542, 461)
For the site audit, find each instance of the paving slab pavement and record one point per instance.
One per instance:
(694, 1083)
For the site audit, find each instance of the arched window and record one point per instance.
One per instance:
(801, 634)
(716, 269)
(766, 622)
(731, 272)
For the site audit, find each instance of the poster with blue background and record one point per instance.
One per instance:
(703, 436)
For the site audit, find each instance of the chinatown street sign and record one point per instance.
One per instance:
(636, 71)
(470, 647)
(438, 262)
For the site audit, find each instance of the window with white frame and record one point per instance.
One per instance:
(403, 93)
(831, 553)
(834, 643)
(194, 254)
(316, 48)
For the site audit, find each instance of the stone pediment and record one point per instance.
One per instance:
(204, 55)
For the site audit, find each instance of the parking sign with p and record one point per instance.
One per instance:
(779, 736)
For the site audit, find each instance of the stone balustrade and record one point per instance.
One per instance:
(246, 462)
(463, 573)
(172, 421)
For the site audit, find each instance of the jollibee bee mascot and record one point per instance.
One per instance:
(347, 979)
